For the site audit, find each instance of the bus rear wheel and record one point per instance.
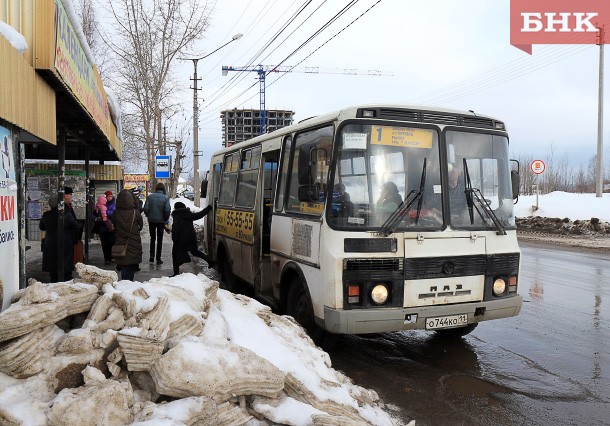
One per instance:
(456, 332)
(299, 306)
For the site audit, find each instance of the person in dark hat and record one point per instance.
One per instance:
(69, 210)
(48, 223)
(183, 235)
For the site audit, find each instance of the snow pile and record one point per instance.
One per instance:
(565, 204)
(564, 226)
(14, 37)
(172, 351)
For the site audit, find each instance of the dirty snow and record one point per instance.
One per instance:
(152, 315)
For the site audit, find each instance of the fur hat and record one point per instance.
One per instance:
(68, 190)
(53, 201)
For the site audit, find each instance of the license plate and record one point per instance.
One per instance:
(446, 322)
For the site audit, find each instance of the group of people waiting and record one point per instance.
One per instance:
(118, 223)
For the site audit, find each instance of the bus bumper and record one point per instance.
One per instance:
(360, 321)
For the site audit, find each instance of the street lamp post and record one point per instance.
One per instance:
(196, 154)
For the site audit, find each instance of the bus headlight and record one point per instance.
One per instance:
(499, 287)
(379, 294)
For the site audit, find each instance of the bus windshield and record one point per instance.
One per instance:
(388, 178)
(379, 171)
(479, 188)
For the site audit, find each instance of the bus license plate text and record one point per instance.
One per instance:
(446, 322)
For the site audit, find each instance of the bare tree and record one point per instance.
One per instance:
(89, 23)
(148, 36)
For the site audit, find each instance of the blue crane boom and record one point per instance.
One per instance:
(263, 70)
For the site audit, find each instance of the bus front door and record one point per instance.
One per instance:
(270, 168)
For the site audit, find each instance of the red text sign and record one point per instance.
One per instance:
(557, 22)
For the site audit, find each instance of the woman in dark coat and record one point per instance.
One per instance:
(128, 223)
(48, 223)
(183, 235)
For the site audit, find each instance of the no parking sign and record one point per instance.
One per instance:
(538, 167)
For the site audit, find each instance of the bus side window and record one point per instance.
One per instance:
(284, 167)
(248, 173)
(309, 174)
(229, 179)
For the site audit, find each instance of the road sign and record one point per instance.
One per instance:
(162, 166)
(538, 167)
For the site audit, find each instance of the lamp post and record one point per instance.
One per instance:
(196, 154)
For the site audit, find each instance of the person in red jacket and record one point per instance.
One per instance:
(183, 235)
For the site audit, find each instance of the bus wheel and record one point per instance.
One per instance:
(299, 306)
(456, 332)
(227, 279)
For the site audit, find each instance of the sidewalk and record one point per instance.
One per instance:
(147, 270)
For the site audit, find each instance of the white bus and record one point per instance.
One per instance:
(371, 219)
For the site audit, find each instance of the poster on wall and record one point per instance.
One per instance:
(42, 183)
(9, 223)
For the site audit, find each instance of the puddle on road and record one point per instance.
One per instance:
(472, 386)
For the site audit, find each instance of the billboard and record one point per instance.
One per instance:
(9, 222)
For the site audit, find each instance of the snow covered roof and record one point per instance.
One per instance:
(14, 37)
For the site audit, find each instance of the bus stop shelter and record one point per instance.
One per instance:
(53, 106)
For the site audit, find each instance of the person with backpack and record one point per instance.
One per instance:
(157, 210)
(184, 237)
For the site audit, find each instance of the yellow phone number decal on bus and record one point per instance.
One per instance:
(235, 224)
(402, 136)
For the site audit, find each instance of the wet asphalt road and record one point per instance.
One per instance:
(548, 366)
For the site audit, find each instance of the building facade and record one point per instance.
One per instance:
(242, 124)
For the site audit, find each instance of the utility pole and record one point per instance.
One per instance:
(196, 153)
(195, 135)
(599, 185)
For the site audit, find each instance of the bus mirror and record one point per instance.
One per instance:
(309, 193)
(204, 188)
(515, 181)
(304, 167)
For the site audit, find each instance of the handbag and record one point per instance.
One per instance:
(79, 254)
(120, 250)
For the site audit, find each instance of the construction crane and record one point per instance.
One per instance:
(264, 70)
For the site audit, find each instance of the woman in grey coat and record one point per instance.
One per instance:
(128, 223)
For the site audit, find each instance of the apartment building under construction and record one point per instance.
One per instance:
(243, 124)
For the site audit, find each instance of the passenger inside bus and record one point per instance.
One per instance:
(341, 203)
(390, 199)
(457, 196)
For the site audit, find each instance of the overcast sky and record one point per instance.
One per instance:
(440, 52)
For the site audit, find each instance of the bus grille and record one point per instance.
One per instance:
(444, 267)
(503, 263)
(373, 264)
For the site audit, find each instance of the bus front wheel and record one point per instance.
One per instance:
(228, 280)
(299, 306)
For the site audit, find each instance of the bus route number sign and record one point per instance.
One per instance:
(538, 167)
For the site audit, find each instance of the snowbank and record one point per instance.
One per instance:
(175, 351)
(565, 205)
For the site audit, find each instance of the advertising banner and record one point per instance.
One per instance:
(9, 223)
(77, 72)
